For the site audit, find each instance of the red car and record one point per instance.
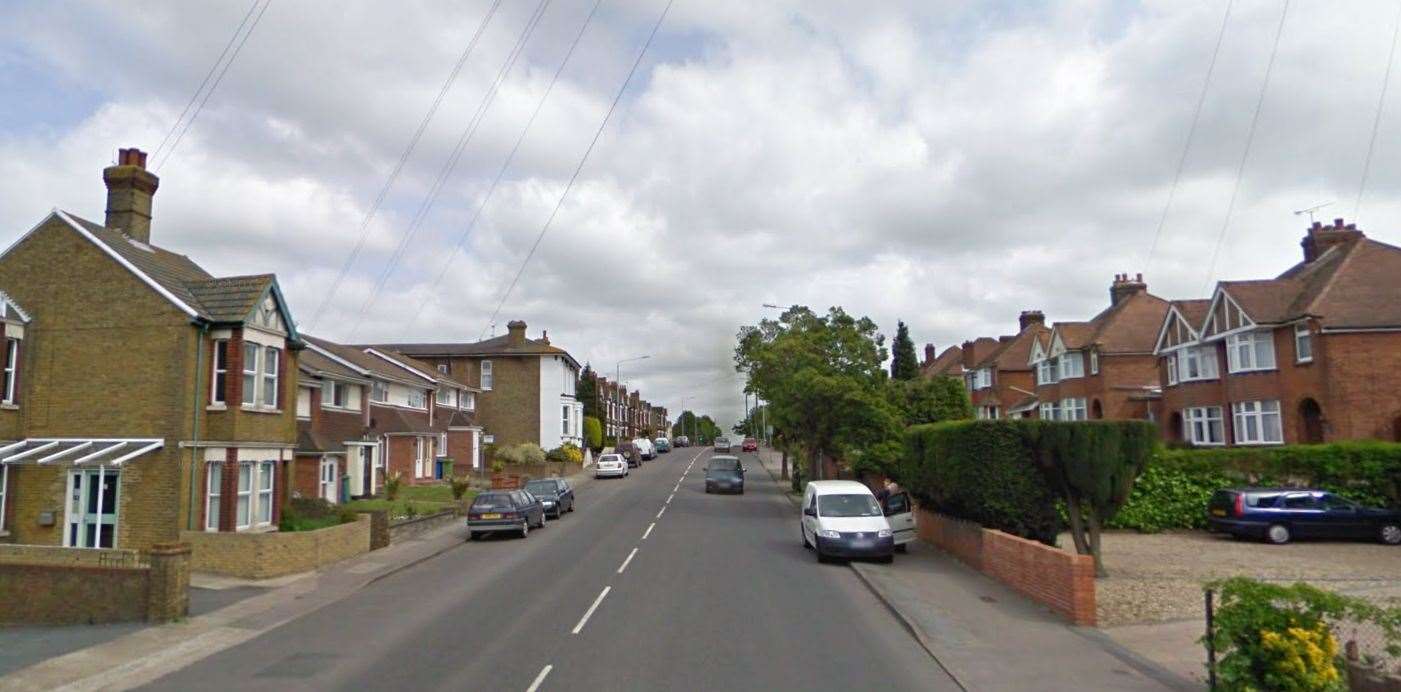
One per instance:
(750, 445)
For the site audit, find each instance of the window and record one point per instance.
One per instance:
(379, 391)
(338, 394)
(1050, 411)
(304, 402)
(244, 515)
(442, 444)
(266, 469)
(4, 483)
(11, 363)
(469, 400)
(443, 368)
(1073, 409)
(1257, 422)
(213, 485)
(1300, 501)
(1249, 351)
(1303, 344)
(486, 375)
(1201, 425)
(1196, 364)
(1072, 364)
(444, 396)
(270, 365)
(1094, 362)
(564, 420)
(221, 372)
(980, 378)
(1171, 367)
(255, 481)
(418, 398)
(1046, 372)
(250, 373)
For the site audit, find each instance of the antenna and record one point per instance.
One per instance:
(1311, 211)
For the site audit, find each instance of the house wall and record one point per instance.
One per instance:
(556, 391)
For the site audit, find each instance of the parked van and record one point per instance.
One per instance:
(843, 519)
(649, 450)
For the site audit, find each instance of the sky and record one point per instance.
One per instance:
(948, 164)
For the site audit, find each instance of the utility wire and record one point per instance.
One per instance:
(457, 246)
(1245, 155)
(234, 56)
(1376, 123)
(449, 166)
(545, 229)
(1191, 133)
(205, 82)
(403, 159)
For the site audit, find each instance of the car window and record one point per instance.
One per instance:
(1300, 501)
(541, 487)
(1263, 500)
(723, 465)
(898, 503)
(1331, 501)
(492, 501)
(853, 505)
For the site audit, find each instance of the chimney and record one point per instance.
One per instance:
(1030, 317)
(929, 353)
(545, 337)
(516, 330)
(1320, 237)
(1005, 338)
(1124, 287)
(130, 188)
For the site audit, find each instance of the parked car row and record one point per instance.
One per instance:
(519, 511)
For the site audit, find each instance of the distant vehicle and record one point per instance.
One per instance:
(722, 444)
(724, 474)
(683, 441)
(749, 445)
(899, 512)
(555, 494)
(611, 466)
(504, 510)
(649, 451)
(631, 453)
(843, 519)
(663, 445)
(1279, 515)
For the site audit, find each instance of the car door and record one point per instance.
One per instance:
(1344, 519)
(899, 513)
(1305, 515)
(809, 521)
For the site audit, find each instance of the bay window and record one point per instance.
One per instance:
(1303, 344)
(564, 419)
(1050, 411)
(250, 373)
(1171, 368)
(254, 502)
(444, 396)
(468, 401)
(1197, 364)
(1046, 372)
(1250, 351)
(1073, 408)
(1201, 425)
(1257, 422)
(11, 367)
(220, 382)
(1071, 365)
(266, 471)
(244, 514)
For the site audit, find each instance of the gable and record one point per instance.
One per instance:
(1175, 331)
(1225, 316)
(1038, 353)
(10, 311)
(1057, 344)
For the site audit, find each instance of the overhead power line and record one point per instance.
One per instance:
(1191, 133)
(467, 230)
(215, 85)
(545, 228)
(445, 173)
(1245, 155)
(205, 82)
(403, 159)
(1377, 121)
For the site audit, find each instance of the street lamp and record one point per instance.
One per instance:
(617, 368)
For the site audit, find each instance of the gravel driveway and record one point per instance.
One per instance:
(1158, 577)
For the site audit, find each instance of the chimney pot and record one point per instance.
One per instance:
(1123, 288)
(929, 353)
(130, 188)
(1337, 223)
(1029, 318)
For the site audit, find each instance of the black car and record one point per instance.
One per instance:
(1279, 515)
(724, 474)
(516, 511)
(554, 493)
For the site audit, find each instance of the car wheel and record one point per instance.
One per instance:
(886, 559)
(541, 523)
(902, 548)
(1277, 534)
(473, 536)
(1390, 534)
(525, 528)
(804, 533)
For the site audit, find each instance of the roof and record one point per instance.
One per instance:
(362, 362)
(1026, 404)
(1352, 285)
(976, 351)
(1129, 326)
(314, 362)
(310, 440)
(418, 368)
(231, 299)
(1194, 311)
(496, 346)
(950, 362)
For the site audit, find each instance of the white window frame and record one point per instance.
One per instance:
(418, 398)
(1074, 409)
(1094, 362)
(11, 363)
(1257, 346)
(1304, 337)
(271, 378)
(244, 498)
(488, 376)
(1050, 411)
(1204, 426)
(442, 444)
(1244, 413)
(443, 368)
(564, 412)
(1172, 368)
(1203, 358)
(1066, 360)
(439, 395)
(267, 471)
(1046, 371)
(218, 383)
(420, 449)
(213, 494)
(251, 381)
(4, 492)
(337, 388)
(467, 401)
(379, 392)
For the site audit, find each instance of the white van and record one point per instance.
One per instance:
(646, 448)
(843, 519)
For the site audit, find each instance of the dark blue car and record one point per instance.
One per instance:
(1279, 515)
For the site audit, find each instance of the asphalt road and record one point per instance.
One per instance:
(719, 594)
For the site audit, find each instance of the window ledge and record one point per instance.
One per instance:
(1253, 370)
(1307, 361)
(9, 407)
(1259, 444)
(257, 409)
(216, 407)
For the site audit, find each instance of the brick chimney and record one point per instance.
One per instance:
(1030, 317)
(545, 337)
(130, 188)
(1124, 287)
(929, 354)
(1320, 237)
(516, 331)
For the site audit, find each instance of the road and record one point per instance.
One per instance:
(719, 594)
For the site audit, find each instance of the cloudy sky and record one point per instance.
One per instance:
(944, 163)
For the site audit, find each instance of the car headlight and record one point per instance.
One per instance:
(548, 503)
(828, 533)
(883, 533)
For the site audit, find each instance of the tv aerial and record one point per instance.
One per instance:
(1311, 211)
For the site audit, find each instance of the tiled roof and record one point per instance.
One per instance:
(1351, 285)
(313, 361)
(363, 361)
(1194, 311)
(950, 362)
(976, 351)
(309, 440)
(1012, 353)
(495, 346)
(1128, 326)
(230, 299)
(420, 366)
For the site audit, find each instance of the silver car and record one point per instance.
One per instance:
(610, 466)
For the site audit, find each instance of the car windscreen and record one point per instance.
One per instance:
(723, 465)
(847, 506)
(491, 501)
(610, 457)
(542, 487)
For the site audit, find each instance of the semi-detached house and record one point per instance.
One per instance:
(142, 395)
(999, 380)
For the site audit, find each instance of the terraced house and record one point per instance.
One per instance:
(999, 380)
(142, 395)
(1312, 355)
(1104, 367)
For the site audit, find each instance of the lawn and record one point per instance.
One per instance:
(425, 499)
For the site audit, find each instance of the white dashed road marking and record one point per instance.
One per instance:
(631, 555)
(589, 613)
(670, 498)
(539, 678)
(659, 514)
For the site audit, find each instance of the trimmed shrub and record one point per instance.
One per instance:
(593, 433)
(524, 453)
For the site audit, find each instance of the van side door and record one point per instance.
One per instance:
(899, 513)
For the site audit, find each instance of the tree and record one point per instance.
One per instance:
(904, 364)
(587, 391)
(593, 433)
(930, 399)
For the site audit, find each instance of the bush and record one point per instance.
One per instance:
(311, 513)
(593, 433)
(521, 454)
(392, 485)
(1169, 497)
(566, 453)
(460, 485)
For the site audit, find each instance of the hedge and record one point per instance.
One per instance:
(1173, 491)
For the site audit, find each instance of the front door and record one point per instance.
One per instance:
(329, 481)
(93, 495)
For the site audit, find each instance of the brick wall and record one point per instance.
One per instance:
(1059, 580)
(65, 586)
(276, 553)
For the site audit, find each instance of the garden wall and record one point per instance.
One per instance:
(70, 586)
(276, 553)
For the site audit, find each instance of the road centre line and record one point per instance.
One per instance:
(539, 678)
(648, 532)
(669, 499)
(631, 555)
(659, 514)
(589, 613)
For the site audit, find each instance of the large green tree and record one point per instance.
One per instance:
(904, 364)
(586, 391)
(930, 399)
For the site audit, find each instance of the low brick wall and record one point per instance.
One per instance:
(1059, 580)
(1364, 678)
(379, 527)
(408, 528)
(276, 553)
(67, 586)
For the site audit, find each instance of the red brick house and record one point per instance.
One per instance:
(996, 371)
(1104, 367)
(946, 364)
(1312, 355)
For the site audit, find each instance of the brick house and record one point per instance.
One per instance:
(148, 391)
(1304, 357)
(1104, 367)
(946, 364)
(527, 386)
(996, 371)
